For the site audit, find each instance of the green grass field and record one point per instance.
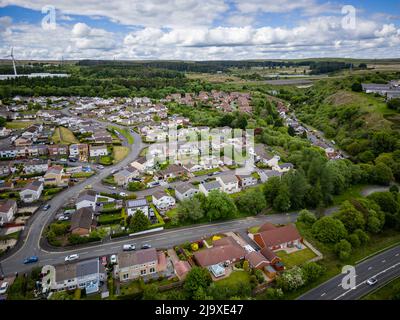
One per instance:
(125, 132)
(296, 258)
(19, 124)
(120, 153)
(64, 136)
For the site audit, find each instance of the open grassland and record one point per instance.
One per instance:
(64, 136)
(19, 124)
(120, 153)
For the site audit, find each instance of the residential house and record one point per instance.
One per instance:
(22, 142)
(162, 200)
(86, 199)
(88, 275)
(4, 132)
(142, 164)
(147, 263)
(246, 180)
(8, 209)
(31, 192)
(132, 206)
(185, 190)
(278, 237)
(173, 171)
(8, 152)
(193, 167)
(123, 177)
(97, 151)
(257, 260)
(223, 251)
(207, 187)
(56, 150)
(79, 151)
(35, 166)
(266, 174)
(6, 168)
(83, 222)
(229, 183)
(55, 176)
(285, 167)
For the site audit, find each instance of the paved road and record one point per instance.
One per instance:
(384, 266)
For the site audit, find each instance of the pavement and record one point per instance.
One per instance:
(384, 266)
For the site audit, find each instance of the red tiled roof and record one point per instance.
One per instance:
(255, 259)
(279, 235)
(266, 227)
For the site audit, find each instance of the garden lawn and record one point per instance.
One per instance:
(235, 278)
(204, 172)
(295, 258)
(351, 193)
(125, 132)
(120, 153)
(64, 136)
(19, 124)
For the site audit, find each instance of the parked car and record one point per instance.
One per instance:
(63, 160)
(122, 194)
(100, 167)
(71, 257)
(63, 218)
(128, 247)
(372, 281)
(112, 187)
(146, 246)
(113, 259)
(46, 207)
(31, 259)
(3, 287)
(72, 160)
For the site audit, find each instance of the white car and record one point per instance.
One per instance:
(113, 259)
(63, 218)
(372, 281)
(112, 188)
(71, 257)
(128, 247)
(3, 287)
(122, 194)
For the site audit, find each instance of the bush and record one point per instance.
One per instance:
(362, 236)
(194, 246)
(259, 275)
(343, 249)
(329, 230)
(354, 240)
(307, 217)
(312, 271)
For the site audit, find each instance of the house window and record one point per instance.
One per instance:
(142, 272)
(152, 270)
(125, 276)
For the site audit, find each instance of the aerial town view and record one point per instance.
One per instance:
(199, 151)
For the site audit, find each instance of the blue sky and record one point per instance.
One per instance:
(200, 30)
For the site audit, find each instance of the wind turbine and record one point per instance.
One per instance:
(13, 60)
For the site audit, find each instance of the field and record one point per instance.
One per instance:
(296, 258)
(125, 132)
(64, 136)
(120, 153)
(19, 124)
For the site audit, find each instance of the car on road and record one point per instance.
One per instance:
(112, 187)
(146, 246)
(103, 260)
(72, 160)
(46, 207)
(122, 194)
(3, 287)
(89, 186)
(372, 281)
(128, 247)
(71, 257)
(31, 259)
(113, 259)
(63, 160)
(100, 167)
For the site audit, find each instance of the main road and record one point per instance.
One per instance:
(384, 266)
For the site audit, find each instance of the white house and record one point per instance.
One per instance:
(284, 167)
(193, 167)
(132, 206)
(271, 161)
(246, 180)
(87, 198)
(96, 151)
(8, 209)
(162, 200)
(35, 166)
(205, 188)
(125, 176)
(31, 192)
(185, 190)
(230, 183)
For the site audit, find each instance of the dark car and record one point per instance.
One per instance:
(32, 259)
(72, 160)
(146, 246)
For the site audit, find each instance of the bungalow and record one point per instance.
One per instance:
(142, 263)
(270, 256)
(4, 132)
(271, 161)
(132, 206)
(96, 151)
(205, 188)
(88, 275)
(55, 176)
(225, 250)
(278, 237)
(256, 260)
(229, 183)
(193, 167)
(284, 167)
(246, 180)
(8, 209)
(86, 198)
(83, 222)
(266, 174)
(162, 200)
(35, 166)
(185, 190)
(31, 192)
(123, 177)
(172, 171)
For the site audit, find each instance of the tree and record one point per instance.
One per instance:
(356, 87)
(354, 240)
(362, 236)
(306, 217)
(2, 122)
(291, 280)
(291, 131)
(139, 221)
(271, 189)
(135, 186)
(282, 201)
(219, 206)
(190, 209)
(386, 201)
(298, 187)
(312, 271)
(251, 201)
(382, 174)
(273, 294)
(329, 230)
(394, 104)
(197, 278)
(351, 217)
(343, 249)
(150, 292)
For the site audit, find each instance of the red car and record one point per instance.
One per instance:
(103, 260)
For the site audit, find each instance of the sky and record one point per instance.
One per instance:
(199, 29)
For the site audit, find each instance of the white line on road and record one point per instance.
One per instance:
(369, 268)
(396, 254)
(383, 261)
(323, 294)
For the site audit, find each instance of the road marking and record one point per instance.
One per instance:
(98, 250)
(114, 247)
(323, 294)
(84, 252)
(383, 261)
(396, 255)
(369, 268)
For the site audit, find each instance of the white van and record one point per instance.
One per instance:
(128, 247)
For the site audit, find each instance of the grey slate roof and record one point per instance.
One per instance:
(212, 185)
(136, 203)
